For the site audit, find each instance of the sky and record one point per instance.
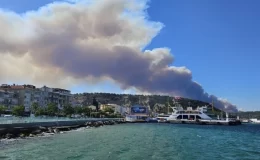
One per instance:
(217, 40)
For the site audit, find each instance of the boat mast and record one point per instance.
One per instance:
(212, 109)
(168, 105)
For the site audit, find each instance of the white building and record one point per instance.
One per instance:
(117, 108)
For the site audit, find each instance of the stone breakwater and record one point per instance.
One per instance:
(22, 130)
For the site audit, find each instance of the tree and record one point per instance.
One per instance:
(2, 109)
(109, 110)
(34, 107)
(68, 110)
(86, 110)
(52, 109)
(95, 103)
(18, 110)
(78, 110)
(40, 111)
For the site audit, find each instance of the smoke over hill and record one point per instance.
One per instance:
(69, 42)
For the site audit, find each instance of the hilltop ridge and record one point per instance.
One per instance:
(154, 102)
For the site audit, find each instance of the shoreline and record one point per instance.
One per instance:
(36, 129)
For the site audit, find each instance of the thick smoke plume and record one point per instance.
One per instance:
(74, 42)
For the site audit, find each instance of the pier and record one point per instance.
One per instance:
(14, 130)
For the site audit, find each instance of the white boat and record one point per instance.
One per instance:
(7, 115)
(163, 118)
(136, 118)
(254, 120)
(197, 116)
(188, 115)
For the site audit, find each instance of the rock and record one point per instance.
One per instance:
(100, 123)
(9, 136)
(22, 135)
(50, 130)
(41, 134)
(43, 129)
(38, 131)
(56, 131)
(96, 124)
(31, 135)
(89, 124)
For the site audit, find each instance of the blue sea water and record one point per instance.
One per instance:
(141, 142)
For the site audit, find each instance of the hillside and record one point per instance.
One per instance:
(155, 102)
(249, 114)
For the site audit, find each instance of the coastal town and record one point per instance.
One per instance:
(28, 100)
(31, 98)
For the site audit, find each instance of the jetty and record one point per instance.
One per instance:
(22, 130)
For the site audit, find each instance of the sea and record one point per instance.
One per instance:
(140, 141)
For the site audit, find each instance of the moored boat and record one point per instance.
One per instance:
(254, 120)
(197, 116)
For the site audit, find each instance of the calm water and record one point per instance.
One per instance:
(142, 142)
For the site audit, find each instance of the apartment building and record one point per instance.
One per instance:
(8, 99)
(26, 95)
(54, 95)
(23, 94)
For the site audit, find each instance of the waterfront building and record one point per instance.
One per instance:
(92, 107)
(26, 95)
(22, 93)
(117, 108)
(58, 96)
(138, 113)
(9, 99)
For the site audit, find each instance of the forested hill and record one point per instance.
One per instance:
(129, 100)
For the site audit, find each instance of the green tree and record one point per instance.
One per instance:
(52, 109)
(78, 110)
(109, 110)
(2, 109)
(86, 110)
(34, 107)
(18, 110)
(40, 111)
(68, 110)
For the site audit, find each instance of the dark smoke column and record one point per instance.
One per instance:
(95, 103)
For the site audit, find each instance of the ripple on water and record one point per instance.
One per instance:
(141, 141)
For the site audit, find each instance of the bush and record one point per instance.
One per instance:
(18, 110)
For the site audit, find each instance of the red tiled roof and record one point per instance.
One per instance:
(17, 87)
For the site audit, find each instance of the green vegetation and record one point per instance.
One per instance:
(34, 107)
(18, 110)
(2, 109)
(109, 110)
(129, 100)
(52, 109)
(250, 114)
(68, 110)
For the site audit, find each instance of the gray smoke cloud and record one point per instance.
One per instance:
(74, 42)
